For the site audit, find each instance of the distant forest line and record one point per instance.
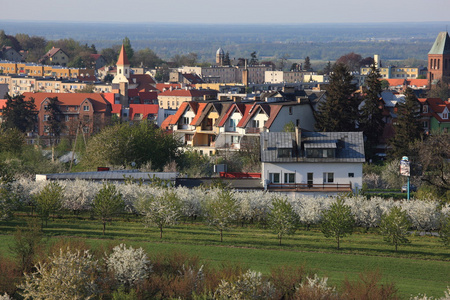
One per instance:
(321, 42)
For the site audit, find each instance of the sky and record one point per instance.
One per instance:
(227, 12)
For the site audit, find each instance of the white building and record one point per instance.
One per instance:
(312, 162)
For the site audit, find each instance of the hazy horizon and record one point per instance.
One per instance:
(229, 12)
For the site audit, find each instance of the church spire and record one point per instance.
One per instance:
(123, 59)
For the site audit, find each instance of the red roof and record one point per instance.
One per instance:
(2, 103)
(166, 122)
(418, 82)
(395, 82)
(144, 109)
(247, 114)
(123, 59)
(53, 51)
(116, 109)
(179, 113)
(275, 109)
(95, 56)
(87, 78)
(201, 107)
(437, 106)
(162, 86)
(98, 101)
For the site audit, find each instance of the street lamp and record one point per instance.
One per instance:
(405, 170)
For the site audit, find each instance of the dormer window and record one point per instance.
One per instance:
(445, 116)
(284, 152)
(425, 108)
(320, 150)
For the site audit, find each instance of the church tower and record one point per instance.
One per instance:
(122, 76)
(220, 56)
(123, 67)
(439, 59)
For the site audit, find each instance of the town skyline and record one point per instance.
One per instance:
(232, 12)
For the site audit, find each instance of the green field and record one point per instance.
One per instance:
(420, 267)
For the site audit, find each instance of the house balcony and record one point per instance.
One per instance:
(309, 187)
(254, 130)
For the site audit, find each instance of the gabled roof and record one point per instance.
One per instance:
(418, 82)
(441, 44)
(95, 56)
(123, 59)
(246, 113)
(193, 78)
(253, 111)
(74, 99)
(228, 112)
(179, 113)
(53, 51)
(396, 82)
(436, 106)
(275, 109)
(201, 107)
(165, 124)
(144, 81)
(116, 109)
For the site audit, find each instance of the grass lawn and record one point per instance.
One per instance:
(420, 267)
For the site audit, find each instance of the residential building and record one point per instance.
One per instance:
(228, 126)
(284, 77)
(10, 54)
(435, 114)
(230, 74)
(324, 162)
(55, 56)
(172, 98)
(87, 113)
(98, 60)
(32, 69)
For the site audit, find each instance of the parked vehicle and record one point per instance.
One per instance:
(412, 188)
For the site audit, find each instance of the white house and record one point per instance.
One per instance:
(326, 162)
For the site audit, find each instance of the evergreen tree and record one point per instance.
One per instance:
(54, 122)
(408, 127)
(371, 115)
(339, 112)
(307, 64)
(226, 59)
(328, 68)
(19, 113)
(253, 59)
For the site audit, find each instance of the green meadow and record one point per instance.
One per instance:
(423, 266)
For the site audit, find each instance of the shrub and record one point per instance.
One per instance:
(69, 275)
(315, 288)
(250, 285)
(368, 286)
(128, 265)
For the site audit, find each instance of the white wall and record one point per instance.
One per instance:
(340, 171)
(302, 112)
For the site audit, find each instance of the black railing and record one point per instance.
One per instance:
(310, 187)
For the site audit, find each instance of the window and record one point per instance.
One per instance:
(85, 107)
(284, 152)
(45, 118)
(328, 177)
(445, 116)
(351, 175)
(185, 120)
(66, 118)
(274, 177)
(425, 124)
(319, 153)
(290, 110)
(289, 177)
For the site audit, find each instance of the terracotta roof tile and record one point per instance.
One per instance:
(123, 59)
(144, 109)
(179, 113)
(98, 101)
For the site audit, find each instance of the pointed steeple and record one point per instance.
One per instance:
(442, 44)
(123, 59)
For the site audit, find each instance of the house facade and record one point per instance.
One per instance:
(312, 161)
(55, 56)
(86, 113)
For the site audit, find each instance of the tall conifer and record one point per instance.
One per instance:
(340, 110)
(371, 115)
(408, 127)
